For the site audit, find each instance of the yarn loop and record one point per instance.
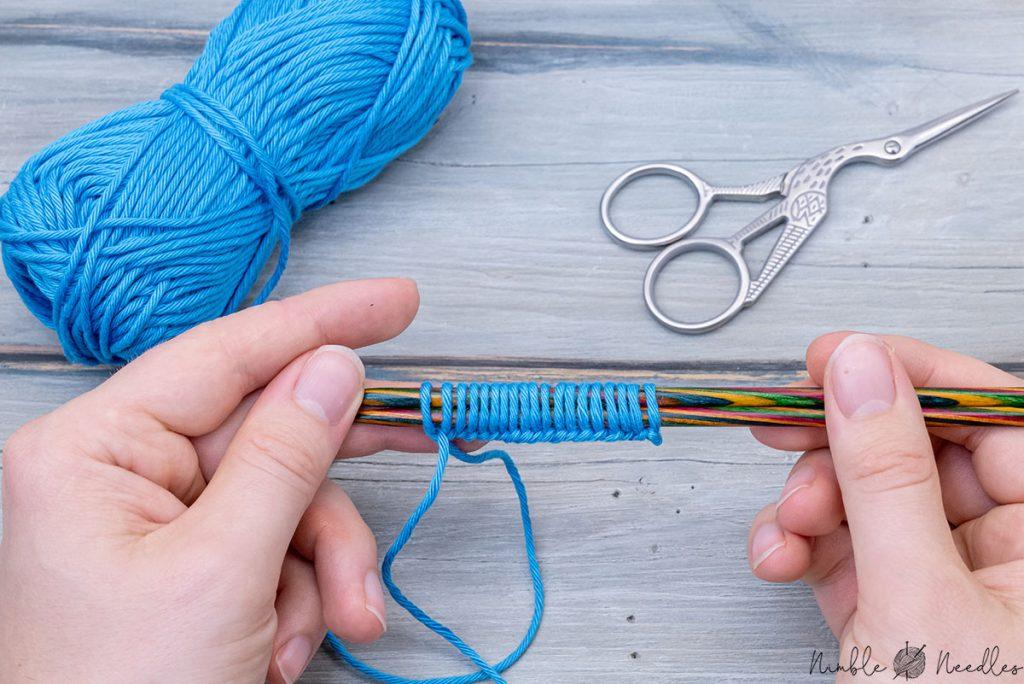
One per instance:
(147, 221)
(509, 412)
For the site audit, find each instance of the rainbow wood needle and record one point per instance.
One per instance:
(743, 406)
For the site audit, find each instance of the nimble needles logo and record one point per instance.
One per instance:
(909, 662)
(912, 661)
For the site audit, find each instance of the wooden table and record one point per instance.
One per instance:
(495, 215)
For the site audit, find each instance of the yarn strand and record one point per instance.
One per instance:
(508, 412)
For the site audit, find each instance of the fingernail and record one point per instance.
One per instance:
(799, 479)
(768, 539)
(293, 658)
(375, 598)
(862, 378)
(329, 383)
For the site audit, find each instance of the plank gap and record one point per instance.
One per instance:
(43, 359)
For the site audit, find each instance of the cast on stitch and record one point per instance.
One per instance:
(141, 224)
(509, 412)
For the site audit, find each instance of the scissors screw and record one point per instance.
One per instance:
(892, 147)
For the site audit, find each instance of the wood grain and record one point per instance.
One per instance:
(504, 192)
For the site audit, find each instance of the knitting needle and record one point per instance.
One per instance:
(741, 406)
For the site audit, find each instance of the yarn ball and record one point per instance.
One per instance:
(143, 223)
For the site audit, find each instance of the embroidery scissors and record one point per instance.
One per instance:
(804, 202)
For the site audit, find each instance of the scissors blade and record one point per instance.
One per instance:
(918, 137)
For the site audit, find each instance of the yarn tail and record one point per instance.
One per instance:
(486, 670)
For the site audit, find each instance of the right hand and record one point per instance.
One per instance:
(908, 536)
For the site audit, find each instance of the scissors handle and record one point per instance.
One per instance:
(732, 249)
(706, 194)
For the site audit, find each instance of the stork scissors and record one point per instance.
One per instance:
(804, 202)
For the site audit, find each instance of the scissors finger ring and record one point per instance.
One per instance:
(704, 192)
(723, 247)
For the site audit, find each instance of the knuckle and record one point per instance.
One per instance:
(234, 345)
(822, 454)
(1004, 531)
(857, 642)
(815, 458)
(827, 573)
(288, 455)
(1015, 523)
(880, 466)
(358, 535)
(16, 449)
(233, 350)
(308, 318)
(21, 450)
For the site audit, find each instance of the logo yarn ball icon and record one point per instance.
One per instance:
(909, 662)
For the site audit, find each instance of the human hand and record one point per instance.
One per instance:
(904, 534)
(126, 557)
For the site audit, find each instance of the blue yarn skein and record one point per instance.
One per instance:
(143, 223)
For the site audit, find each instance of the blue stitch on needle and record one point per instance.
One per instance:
(519, 413)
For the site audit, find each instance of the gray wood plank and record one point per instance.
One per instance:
(624, 530)
(495, 215)
(504, 191)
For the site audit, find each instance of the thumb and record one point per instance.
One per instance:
(886, 470)
(281, 453)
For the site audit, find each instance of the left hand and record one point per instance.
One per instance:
(133, 552)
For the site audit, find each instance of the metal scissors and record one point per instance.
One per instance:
(804, 193)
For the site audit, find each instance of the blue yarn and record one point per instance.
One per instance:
(509, 412)
(152, 219)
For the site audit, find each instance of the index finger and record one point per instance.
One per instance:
(927, 366)
(193, 382)
(994, 449)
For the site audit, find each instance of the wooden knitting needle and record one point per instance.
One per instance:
(741, 406)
